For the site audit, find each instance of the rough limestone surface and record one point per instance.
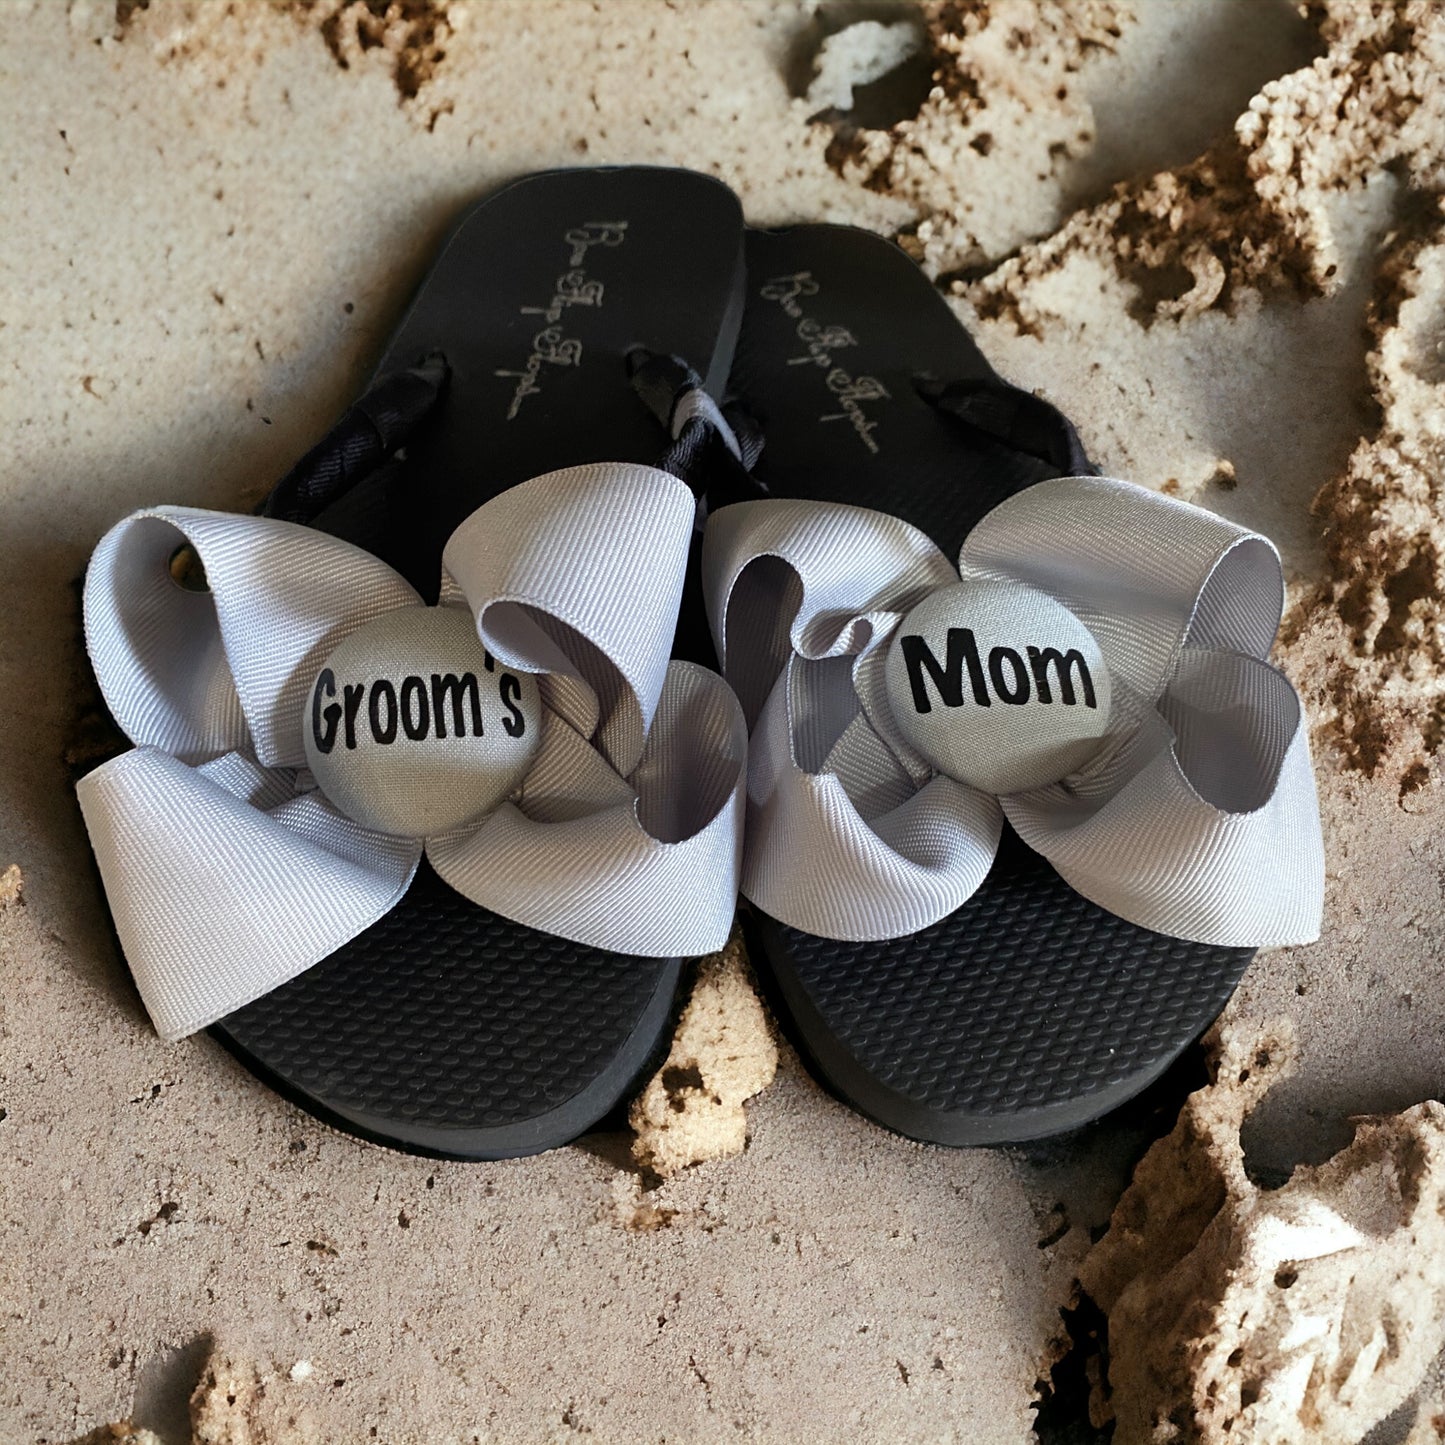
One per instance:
(213, 214)
(228, 1406)
(1384, 603)
(983, 108)
(1311, 1311)
(122, 1432)
(12, 887)
(858, 56)
(722, 1054)
(1252, 212)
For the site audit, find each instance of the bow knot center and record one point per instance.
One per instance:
(998, 685)
(412, 728)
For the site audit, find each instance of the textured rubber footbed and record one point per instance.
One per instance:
(469, 1035)
(1030, 1010)
(445, 1028)
(1006, 1020)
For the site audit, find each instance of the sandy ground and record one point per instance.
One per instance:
(210, 215)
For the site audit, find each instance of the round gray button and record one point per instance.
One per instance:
(998, 685)
(413, 729)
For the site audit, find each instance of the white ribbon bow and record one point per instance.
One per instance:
(1197, 817)
(228, 873)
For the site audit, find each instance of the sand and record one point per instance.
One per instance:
(1205, 229)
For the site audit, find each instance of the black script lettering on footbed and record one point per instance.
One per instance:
(420, 707)
(1005, 669)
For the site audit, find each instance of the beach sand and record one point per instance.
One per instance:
(1209, 232)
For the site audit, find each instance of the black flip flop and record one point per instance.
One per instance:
(445, 1028)
(1029, 1010)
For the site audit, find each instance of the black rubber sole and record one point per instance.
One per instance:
(459, 1036)
(1029, 1011)
(446, 1029)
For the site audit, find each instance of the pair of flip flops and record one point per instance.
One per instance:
(436, 790)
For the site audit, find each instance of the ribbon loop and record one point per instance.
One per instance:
(200, 673)
(651, 873)
(1162, 855)
(579, 573)
(1145, 573)
(815, 862)
(817, 578)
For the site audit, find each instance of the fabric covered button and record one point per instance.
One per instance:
(413, 729)
(998, 685)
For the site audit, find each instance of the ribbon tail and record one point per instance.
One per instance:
(216, 902)
(654, 873)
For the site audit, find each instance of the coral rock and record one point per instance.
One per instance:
(1250, 214)
(12, 886)
(1238, 1313)
(1385, 527)
(225, 1403)
(722, 1055)
(121, 1433)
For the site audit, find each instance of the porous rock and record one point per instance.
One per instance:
(1002, 102)
(856, 56)
(1240, 1313)
(122, 1432)
(1251, 213)
(1382, 701)
(723, 1053)
(225, 1402)
(12, 886)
